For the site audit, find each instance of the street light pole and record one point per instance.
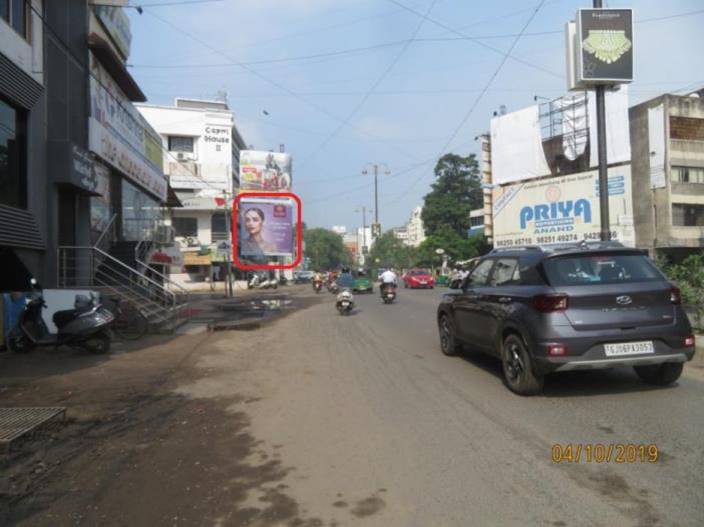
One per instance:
(600, 92)
(375, 168)
(228, 259)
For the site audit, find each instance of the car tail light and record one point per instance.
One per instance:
(550, 303)
(557, 349)
(688, 342)
(675, 296)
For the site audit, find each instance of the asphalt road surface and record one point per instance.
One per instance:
(322, 420)
(377, 427)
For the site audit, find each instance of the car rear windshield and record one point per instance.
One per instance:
(600, 269)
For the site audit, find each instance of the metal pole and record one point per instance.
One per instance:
(364, 228)
(228, 221)
(376, 194)
(603, 161)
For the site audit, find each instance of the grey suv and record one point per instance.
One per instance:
(582, 306)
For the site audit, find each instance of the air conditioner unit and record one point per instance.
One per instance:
(182, 156)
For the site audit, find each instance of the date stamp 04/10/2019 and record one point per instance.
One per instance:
(604, 453)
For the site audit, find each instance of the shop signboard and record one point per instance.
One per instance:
(264, 171)
(265, 227)
(562, 209)
(121, 136)
(117, 24)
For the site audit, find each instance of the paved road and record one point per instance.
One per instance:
(379, 428)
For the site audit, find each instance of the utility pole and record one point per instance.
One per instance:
(603, 161)
(375, 168)
(228, 258)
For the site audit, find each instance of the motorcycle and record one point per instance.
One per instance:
(388, 294)
(86, 325)
(333, 288)
(256, 282)
(317, 286)
(345, 302)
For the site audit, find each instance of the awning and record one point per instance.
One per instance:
(172, 200)
(15, 276)
(114, 66)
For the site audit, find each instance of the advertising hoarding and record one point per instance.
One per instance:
(562, 209)
(264, 171)
(265, 227)
(604, 46)
(117, 24)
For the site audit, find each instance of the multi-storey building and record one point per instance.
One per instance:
(414, 228)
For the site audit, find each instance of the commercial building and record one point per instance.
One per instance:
(414, 228)
(401, 233)
(667, 141)
(201, 156)
(476, 222)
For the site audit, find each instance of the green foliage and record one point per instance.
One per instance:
(326, 249)
(455, 192)
(689, 277)
(390, 251)
(457, 248)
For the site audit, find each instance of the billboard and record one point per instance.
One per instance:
(562, 210)
(264, 171)
(265, 227)
(604, 46)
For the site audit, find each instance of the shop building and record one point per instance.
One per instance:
(24, 195)
(667, 139)
(201, 159)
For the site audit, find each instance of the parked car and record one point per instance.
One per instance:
(303, 277)
(576, 307)
(417, 278)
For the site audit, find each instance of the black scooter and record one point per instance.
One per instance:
(85, 326)
(388, 293)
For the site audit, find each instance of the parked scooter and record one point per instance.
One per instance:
(86, 325)
(345, 302)
(388, 293)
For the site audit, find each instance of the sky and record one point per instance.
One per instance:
(347, 83)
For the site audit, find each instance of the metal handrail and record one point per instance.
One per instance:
(112, 259)
(108, 227)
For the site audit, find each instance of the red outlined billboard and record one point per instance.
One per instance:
(269, 215)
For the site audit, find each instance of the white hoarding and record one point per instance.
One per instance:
(562, 210)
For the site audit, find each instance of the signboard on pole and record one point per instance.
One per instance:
(264, 171)
(562, 210)
(604, 46)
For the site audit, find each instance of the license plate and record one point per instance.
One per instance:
(345, 304)
(423, 282)
(628, 348)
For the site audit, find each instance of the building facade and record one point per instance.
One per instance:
(667, 140)
(201, 149)
(414, 228)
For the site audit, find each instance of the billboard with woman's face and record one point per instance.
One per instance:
(265, 228)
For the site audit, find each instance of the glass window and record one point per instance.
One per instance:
(180, 144)
(687, 174)
(506, 272)
(600, 269)
(185, 227)
(687, 215)
(12, 166)
(18, 18)
(140, 214)
(480, 275)
(5, 10)
(218, 226)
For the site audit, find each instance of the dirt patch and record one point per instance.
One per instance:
(368, 506)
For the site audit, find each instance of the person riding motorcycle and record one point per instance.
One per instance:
(388, 278)
(317, 281)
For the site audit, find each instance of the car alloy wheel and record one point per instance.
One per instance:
(448, 344)
(518, 368)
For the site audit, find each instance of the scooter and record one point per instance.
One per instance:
(317, 286)
(388, 294)
(345, 302)
(86, 325)
(256, 282)
(333, 288)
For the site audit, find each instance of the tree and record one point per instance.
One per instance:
(456, 191)
(390, 251)
(456, 247)
(326, 249)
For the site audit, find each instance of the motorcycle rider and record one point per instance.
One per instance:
(317, 280)
(388, 278)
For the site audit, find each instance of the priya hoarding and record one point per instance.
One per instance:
(562, 210)
(264, 171)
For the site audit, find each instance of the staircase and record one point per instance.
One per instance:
(119, 269)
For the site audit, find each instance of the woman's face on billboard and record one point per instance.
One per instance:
(253, 222)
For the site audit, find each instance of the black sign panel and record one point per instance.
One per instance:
(605, 45)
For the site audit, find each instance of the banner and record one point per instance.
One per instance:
(265, 227)
(562, 210)
(264, 171)
(605, 46)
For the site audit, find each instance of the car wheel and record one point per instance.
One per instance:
(448, 343)
(518, 367)
(660, 374)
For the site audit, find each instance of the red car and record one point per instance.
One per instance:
(416, 278)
